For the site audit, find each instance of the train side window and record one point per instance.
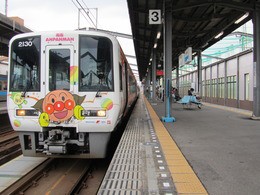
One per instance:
(121, 75)
(25, 64)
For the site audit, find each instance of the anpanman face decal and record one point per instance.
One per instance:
(59, 106)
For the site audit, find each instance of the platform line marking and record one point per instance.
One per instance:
(176, 162)
(231, 109)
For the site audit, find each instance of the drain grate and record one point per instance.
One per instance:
(135, 167)
(124, 175)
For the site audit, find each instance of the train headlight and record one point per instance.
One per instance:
(101, 113)
(27, 112)
(20, 112)
(94, 113)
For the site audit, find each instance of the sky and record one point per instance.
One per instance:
(48, 15)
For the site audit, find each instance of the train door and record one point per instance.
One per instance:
(59, 99)
(123, 83)
(59, 60)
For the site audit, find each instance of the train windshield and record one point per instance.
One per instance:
(25, 64)
(95, 64)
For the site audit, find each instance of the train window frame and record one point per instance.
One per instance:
(59, 71)
(24, 43)
(120, 76)
(108, 74)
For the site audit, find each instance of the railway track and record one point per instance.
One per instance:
(54, 176)
(62, 176)
(9, 144)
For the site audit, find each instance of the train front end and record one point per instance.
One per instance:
(62, 99)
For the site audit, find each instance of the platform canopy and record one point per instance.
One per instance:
(9, 28)
(195, 23)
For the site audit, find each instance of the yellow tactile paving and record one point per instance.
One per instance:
(184, 178)
(168, 150)
(193, 194)
(180, 169)
(173, 146)
(174, 162)
(174, 157)
(189, 188)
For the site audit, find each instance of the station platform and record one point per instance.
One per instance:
(212, 150)
(12, 171)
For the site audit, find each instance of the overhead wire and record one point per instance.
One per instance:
(82, 10)
(89, 9)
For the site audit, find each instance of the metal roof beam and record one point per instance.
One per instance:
(117, 34)
(231, 4)
(130, 56)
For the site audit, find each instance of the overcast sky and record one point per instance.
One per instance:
(45, 15)
(42, 15)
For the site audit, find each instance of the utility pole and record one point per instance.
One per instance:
(6, 5)
(87, 13)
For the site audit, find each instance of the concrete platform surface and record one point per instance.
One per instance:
(221, 144)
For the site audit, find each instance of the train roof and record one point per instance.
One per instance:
(75, 32)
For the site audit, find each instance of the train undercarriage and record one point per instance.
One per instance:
(64, 142)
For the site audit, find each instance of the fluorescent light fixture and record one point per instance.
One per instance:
(242, 18)
(155, 45)
(158, 35)
(205, 44)
(219, 35)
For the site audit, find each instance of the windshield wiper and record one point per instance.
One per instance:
(98, 94)
(28, 86)
(25, 89)
(100, 77)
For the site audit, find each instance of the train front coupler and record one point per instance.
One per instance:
(56, 142)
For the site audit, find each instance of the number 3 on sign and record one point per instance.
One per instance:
(155, 16)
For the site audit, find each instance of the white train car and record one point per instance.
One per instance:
(67, 92)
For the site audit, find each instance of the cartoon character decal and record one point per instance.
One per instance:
(59, 106)
(18, 99)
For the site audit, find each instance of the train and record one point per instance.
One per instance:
(67, 92)
(3, 87)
